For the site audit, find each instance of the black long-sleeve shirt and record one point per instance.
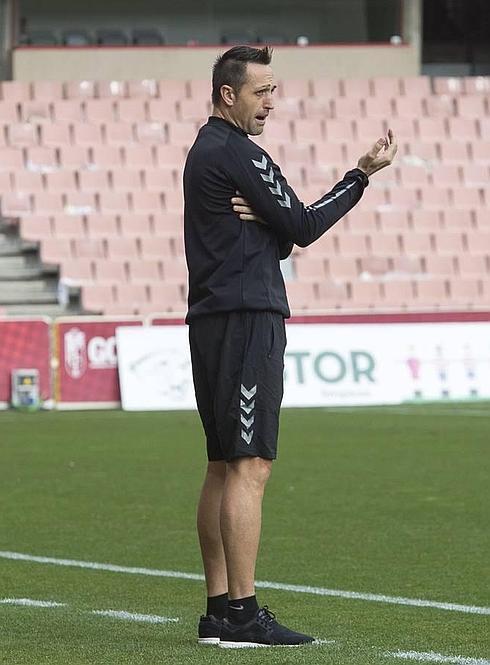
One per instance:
(234, 265)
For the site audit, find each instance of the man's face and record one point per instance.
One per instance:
(254, 100)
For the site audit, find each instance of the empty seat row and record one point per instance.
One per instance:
(147, 271)
(57, 250)
(134, 298)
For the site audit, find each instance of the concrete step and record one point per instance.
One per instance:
(43, 309)
(28, 291)
(20, 266)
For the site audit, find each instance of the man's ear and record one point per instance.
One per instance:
(228, 95)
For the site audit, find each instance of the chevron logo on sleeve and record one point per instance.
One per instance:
(247, 415)
(283, 198)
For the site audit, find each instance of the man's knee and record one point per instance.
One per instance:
(254, 470)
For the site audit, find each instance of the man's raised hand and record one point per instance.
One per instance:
(380, 155)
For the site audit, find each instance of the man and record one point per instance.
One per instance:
(237, 307)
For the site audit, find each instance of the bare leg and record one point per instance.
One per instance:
(208, 526)
(241, 519)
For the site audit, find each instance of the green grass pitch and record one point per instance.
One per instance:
(388, 501)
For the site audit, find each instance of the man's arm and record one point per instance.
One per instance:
(268, 196)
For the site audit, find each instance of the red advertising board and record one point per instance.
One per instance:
(87, 375)
(25, 344)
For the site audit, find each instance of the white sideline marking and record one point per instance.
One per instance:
(28, 602)
(132, 616)
(413, 411)
(279, 586)
(432, 657)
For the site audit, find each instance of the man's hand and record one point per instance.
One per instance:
(244, 210)
(380, 155)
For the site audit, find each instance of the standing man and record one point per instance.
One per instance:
(237, 307)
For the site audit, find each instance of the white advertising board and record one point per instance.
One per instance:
(325, 364)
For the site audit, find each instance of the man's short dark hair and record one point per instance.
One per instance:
(231, 67)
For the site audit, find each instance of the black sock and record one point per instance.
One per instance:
(241, 610)
(217, 606)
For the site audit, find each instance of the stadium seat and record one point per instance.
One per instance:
(478, 242)
(397, 293)
(97, 298)
(93, 248)
(174, 270)
(100, 110)
(457, 218)
(365, 294)
(78, 271)
(379, 109)
(448, 85)
(118, 133)
(113, 202)
(48, 203)
(189, 110)
(111, 89)
(35, 227)
(15, 91)
(393, 220)
(454, 152)
(441, 106)
(431, 293)
(47, 91)
(386, 87)
(102, 225)
(416, 86)
(111, 37)
(94, 180)
(105, 156)
(28, 182)
(470, 265)
(20, 135)
(480, 151)
(75, 157)
(126, 179)
(56, 135)
(343, 268)
(326, 88)
(294, 88)
(147, 37)
(60, 181)
(135, 224)
(472, 106)
(439, 266)
(450, 242)
(168, 222)
(301, 295)
(181, 134)
(311, 268)
(80, 203)
(432, 129)
(348, 107)
(466, 291)
(15, 204)
(385, 244)
(417, 243)
(476, 174)
(475, 85)
(131, 110)
(143, 88)
(145, 271)
(151, 132)
(157, 247)
(55, 250)
(68, 110)
(68, 226)
(111, 272)
(80, 89)
(318, 107)
(463, 128)
(174, 89)
(9, 111)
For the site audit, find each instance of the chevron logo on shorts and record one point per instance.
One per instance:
(247, 416)
(284, 199)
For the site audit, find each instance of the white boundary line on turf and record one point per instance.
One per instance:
(29, 602)
(279, 586)
(415, 411)
(432, 657)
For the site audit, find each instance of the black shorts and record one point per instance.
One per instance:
(238, 367)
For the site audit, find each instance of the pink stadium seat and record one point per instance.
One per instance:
(111, 89)
(145, 271)
(386, 87)
(296, 88)
(393, 220)
(28, 182)
(68, 110)
(467, 197)
(365, 294)
(425, 150)
(478, 242)
(77, 270)
(132, 296)
(301, 295)
(374, 199)
(457, 219)
(80, 89)
(102, 226)
(35, 112)
(40, 159)
(310, 268)
(174, 89)
(35, 227)
(97, 297)
(168, 222)
(332, 295)
(398, 293)
(181, 134)
(376, 266)
(79, 203)
(296, 154)
(449, 242)
(56, 135)
(402, 199)
(318, 107)
(414, 176)
(106, 156)
(350, 244)
(348, 107)
(191, 110)
(471, 106)
(162, 110)
(100, 110)
(417, 243)
(423, 219)
(122, 248)
(409, 108)
(145, 88)
(60, 181)
(170, 155)
(86, 134)
(111, 272)
(15, 90)
(385, 244)
(118, 133)
(12, 158)
(439, 265)
(112, 202)
(155, 179)
(146, 201)
(174, 200)
(454, 152)
(47, 90)
(379, 108)
(431, 293)
(55, 250)
(416, 86)
(340, 130)
(368, 130)
(405, 128)
(362, 221)
(65, 226)
(9, 111)
(448, 85)
(447, 174)
(175, 270)
(289, 108)
(93, 181)
(440, 106)
(126, 179)
(131, 110)
(481, 219)
(5, 181)
(465, 291)
(74, 157)
(199, 89)
(434, 197)
(135, 224)
(463, 128)
(406, 265)
(470, 265)
(477, 85)
(481, 151)
(358, 88)
(89, 248)
(342, 268)
(328, 88)
(150, 132)
(476, 174)
(156, 247)
(20, 135)
(329, 155)
(432, 129)
(15, 204)
(165, 298)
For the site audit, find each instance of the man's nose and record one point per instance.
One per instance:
(269, 102)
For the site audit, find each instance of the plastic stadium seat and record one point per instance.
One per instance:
(28, 182)
(170, 155)
(199, 89)
(49, 203)
(365, 294)
(403, 199)
(373, 266)
(440, 106)
(22, 135)
(289, 108)
(144, 88)
(35, 227)
(434, 197)
(394, 220)
(175, 270)
(47, 91)
(432, 129)
(191, 110)
(454, 152)
(386, 86)
(481, 151)
(168, 222)
(68, 110)
(416, 86)
(131, 110)
(405, 128)
(406, 265)
(414, 176)
(465, 291)
(182, 134)
(77, 270)
(156, 179)
(97, 297)
(61, 181)
(417, 243)
(111, 89)
(74, 157)
(156, 247)
(341, 267)
(348, 107)
(93, 181)
(425, 150)
(6, 181)
(147, 201)
(463, 129)
(471, 106)
(174, 89)
(68, 227)
(476, 174)
(318, 107)
(457, 218)
(89, 248)
(439, 265)
(122, 248)
(332, 295)
(126, 179)
(39, 159)
(80, 89)
(431, 293)
(339, 130)
(447, 174)
(351, 244)
(102, 225)
(398, 293)
(312, 268)
(449, 85)
(408, 108)
(295, 88)
(477, 85)
(118, 133)
(15, 91)
(133, 296)
(471, 265)
(111, 202)
(368, 130)
(100, 110)
(150, 132)
(105, 156)
(358, 88)
(385, 244)
(39, 38)
(328, 88)
(174, 200)
(362, 221)
(35, 112)
(55, 250)
(76, 37)
(449, 242)
(467, 197)
(111, 37)
(9, 111)
(379, 108)
(134, 224)
(292, 154)
(478, 242)
(145, 271)
(80, 203)
(301, 295)
(163, 110)
(166, 297)
(111, 272)
(12, 158)
(56, 135)
(329, 155)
